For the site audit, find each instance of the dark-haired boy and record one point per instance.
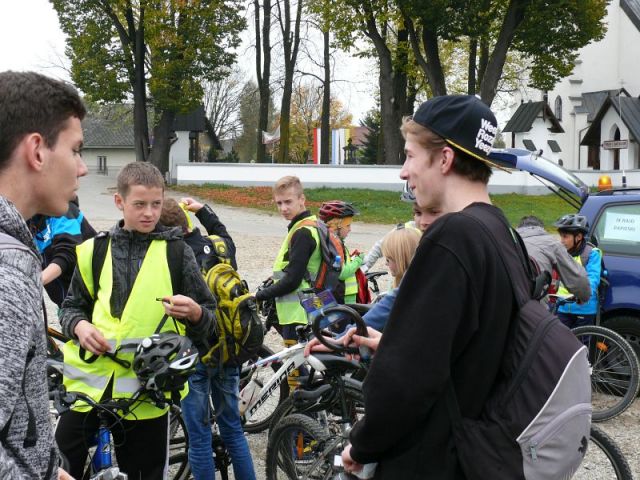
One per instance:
(115, 315)
(40, 163)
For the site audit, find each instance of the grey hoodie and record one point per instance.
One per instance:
(128, 249)
(548, 252)
(23, 384)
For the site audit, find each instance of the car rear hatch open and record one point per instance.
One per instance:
(561, 182)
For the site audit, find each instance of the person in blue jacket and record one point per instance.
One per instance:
(573, 230)
(56, 239)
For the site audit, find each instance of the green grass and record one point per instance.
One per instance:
(376, 206)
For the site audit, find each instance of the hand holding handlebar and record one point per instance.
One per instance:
(339, 345)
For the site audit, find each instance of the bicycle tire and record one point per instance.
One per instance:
(178, 446)
(262, 419)
(604, 459)
(287, 407)
(615, 373)
(300, 441)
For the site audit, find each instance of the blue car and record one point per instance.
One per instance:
(614, 222)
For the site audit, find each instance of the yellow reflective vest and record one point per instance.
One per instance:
(140, 318)
(288, 306)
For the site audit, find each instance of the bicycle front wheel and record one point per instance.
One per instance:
(615, 375)
(603, 459)
(261, 419)
(178, 446)
(299, 447)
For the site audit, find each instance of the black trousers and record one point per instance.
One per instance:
(140, 445)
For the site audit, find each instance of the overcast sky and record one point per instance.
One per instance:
(31, 39)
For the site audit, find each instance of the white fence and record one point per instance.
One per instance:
(379, 177)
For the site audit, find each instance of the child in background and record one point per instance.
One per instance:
(338, 216)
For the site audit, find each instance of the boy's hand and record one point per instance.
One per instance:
(90, 338)
(182, 307)
(372, 341)
(191, 204)
(63, 475)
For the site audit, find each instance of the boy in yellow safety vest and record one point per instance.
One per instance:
(116, 314)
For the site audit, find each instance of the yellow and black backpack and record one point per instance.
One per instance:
(239, 329)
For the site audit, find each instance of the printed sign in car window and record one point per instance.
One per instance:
(618, 230)
(622, 226)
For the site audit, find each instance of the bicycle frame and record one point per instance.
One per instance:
(291, 359)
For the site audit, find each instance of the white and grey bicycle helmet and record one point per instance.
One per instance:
(164, 361)
(407, 195)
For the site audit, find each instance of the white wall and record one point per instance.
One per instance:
(116, 158)
(380, 177)
(628, 156)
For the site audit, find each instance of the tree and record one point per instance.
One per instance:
(547, 33)
(306, 115)
(153, 49)
(221, 100)
(290, 30)
(380, 21)
(371, 153)
(246, 145)
(263, 71)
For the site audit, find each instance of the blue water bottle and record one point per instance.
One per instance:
(102, 455)
(337, 263)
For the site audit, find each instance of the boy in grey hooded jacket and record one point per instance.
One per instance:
(40, 164)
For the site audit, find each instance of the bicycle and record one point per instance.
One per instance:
(301, 447)
(615, 370)
(179, 468)
(110, 412)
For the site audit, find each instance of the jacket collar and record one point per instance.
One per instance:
(12, 223)
(297, 218)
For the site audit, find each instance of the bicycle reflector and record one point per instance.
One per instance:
(164, 361)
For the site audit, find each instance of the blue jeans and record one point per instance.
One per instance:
(195, 412)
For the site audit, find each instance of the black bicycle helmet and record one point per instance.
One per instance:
(572, 223)
(407, 195)
(164, 361)
(336, 209)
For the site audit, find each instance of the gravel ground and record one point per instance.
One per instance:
(258, 236)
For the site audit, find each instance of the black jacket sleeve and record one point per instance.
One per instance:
(300, 251)
(214, 226)
(413, 341)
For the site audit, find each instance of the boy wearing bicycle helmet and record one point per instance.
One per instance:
(338, 216)
(40, 163)
(112, 306)
(220, 383)
(573, 230)
(454, 305)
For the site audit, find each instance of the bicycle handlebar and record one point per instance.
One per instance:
(361, 329)
(63, 400)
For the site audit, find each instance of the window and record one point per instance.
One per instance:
(558, 108)
(529, 145)
(618, 230)
(555, 148)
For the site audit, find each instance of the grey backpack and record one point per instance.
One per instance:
(537, 420)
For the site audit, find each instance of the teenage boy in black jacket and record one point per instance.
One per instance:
(453, 309)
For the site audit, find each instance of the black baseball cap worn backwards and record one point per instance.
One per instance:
(464, 121)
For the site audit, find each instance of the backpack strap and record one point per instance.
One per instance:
(175, 258)
(100, 247)
(585, 254)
